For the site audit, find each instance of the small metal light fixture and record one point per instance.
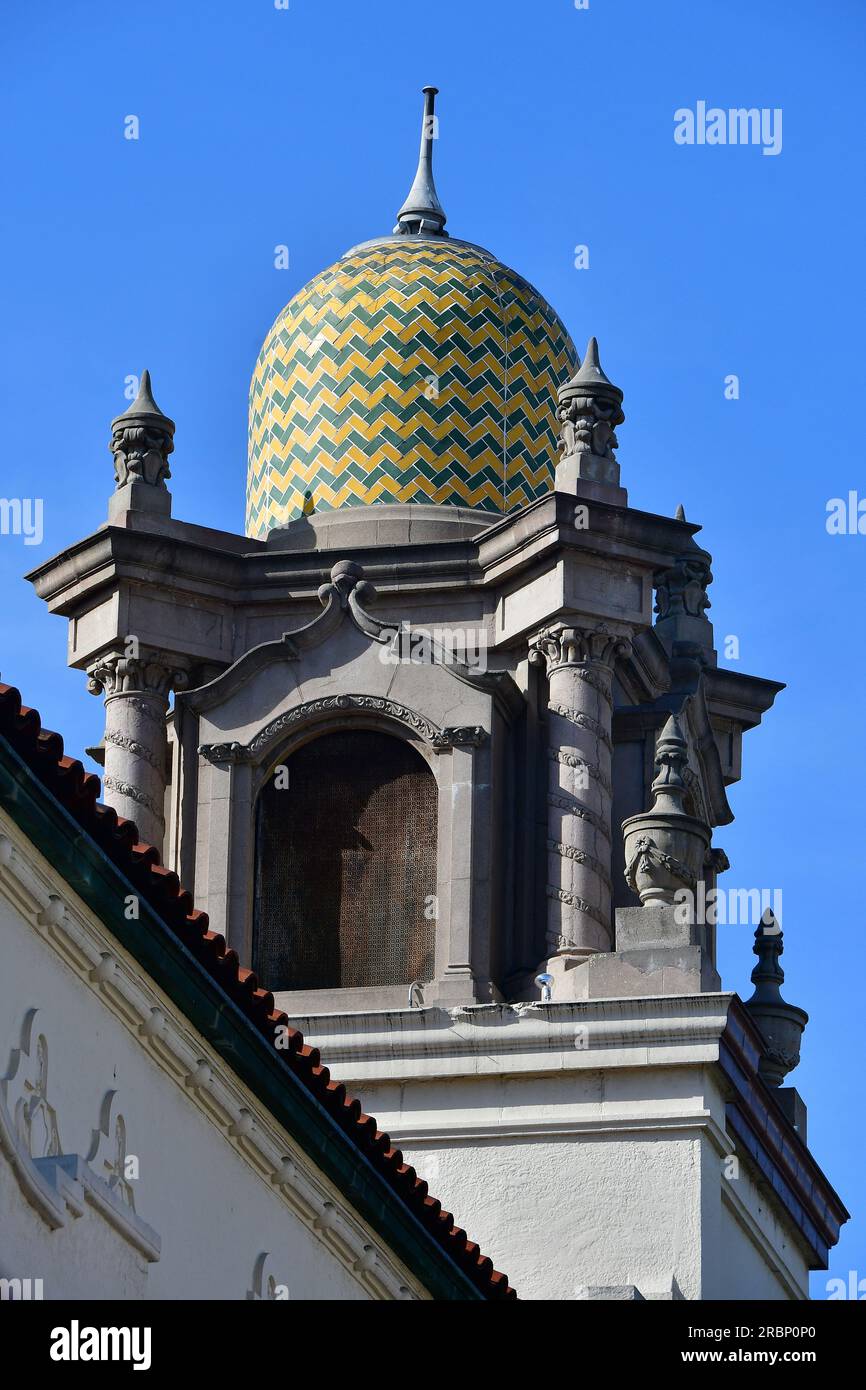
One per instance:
(546, 983)
(416, 994)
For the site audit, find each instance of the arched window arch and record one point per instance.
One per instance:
(346, 865)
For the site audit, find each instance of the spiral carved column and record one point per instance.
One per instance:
(136, 702)
(579, 663)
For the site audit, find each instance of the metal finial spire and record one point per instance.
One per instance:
(422, 213)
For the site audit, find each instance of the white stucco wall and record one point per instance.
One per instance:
(575, 1169)
(208, 1155)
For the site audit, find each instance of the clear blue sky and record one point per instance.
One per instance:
(261, 127)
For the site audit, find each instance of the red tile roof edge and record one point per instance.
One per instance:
(78, 792)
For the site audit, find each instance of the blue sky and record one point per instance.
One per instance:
(261, 127)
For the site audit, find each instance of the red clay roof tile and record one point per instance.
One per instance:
(77, 791)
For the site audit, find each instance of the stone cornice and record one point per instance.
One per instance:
(740, 697)
(227, 566)
(537, 1040)
(484, 1038)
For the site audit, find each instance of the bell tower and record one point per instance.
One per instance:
(442, 747)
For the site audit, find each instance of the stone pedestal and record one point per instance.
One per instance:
(136, 749)
(591, 478)
(579, 666)
(137, 496)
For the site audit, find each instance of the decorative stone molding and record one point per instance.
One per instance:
(131, 745)
(583, 721)
(154, 674)
(465, 736)
(141, 440)
(682, 589)
(582, 857)
(344, 598)
(681, 605)
(265, 1287)
(566, 942)
(648, 860)
(24, 1093)
(136, 690)
(258, 747)
(573, 807)
(695, 789)
(128, 792)
(665, 849)
(578, 661)
(562, 645)
(57, 1185)
(591, 769)
(108, 1153)
(218, 753)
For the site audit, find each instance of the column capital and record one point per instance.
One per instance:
(136, 690)
(150, 673)
(580, 646)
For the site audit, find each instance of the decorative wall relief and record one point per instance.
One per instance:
(108, 1155)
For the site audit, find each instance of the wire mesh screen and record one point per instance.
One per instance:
(345, 866)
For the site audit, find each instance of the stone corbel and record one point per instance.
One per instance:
(222, 753)
(466, 736)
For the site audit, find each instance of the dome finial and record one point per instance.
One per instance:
(422, 213)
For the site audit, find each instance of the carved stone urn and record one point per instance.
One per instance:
(665, 847)
(781, 1024)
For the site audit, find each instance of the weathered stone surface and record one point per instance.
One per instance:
(136, 749)
(781, 1024)
(141, 440)
(579, 664)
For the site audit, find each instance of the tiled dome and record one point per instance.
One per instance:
(416, 369)
(413, 370)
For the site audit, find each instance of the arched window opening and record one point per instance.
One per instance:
(346, 866)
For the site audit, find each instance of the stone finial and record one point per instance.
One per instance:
(141, 440)
(590, 408)
(682, 589)
(682, 601)
(780, 1023)
(672, 757)
(422, 213)
(665, 847)
(680, 514)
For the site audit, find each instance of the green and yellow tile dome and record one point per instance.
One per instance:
(416, 369)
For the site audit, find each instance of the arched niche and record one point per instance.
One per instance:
(346, 864)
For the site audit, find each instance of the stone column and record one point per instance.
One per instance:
(136, 745)
(579, 664)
